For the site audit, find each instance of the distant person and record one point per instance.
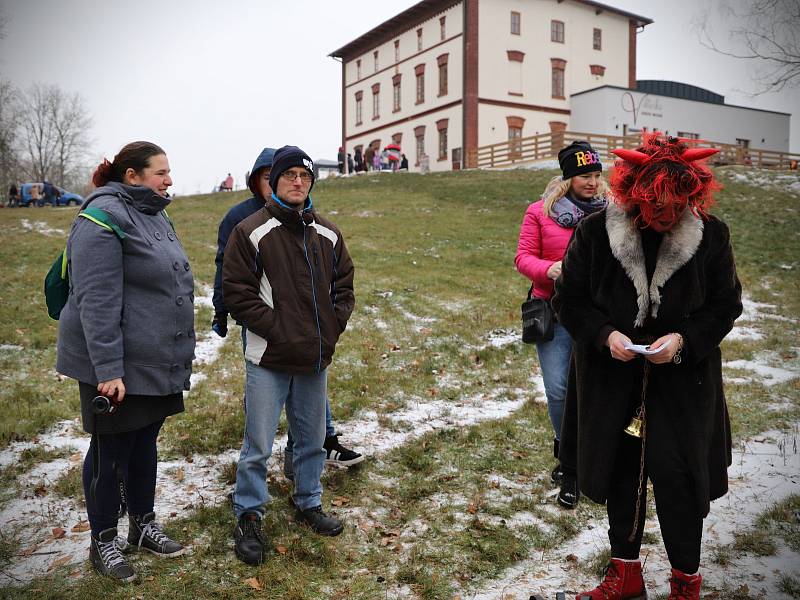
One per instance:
(369, 154)
(13, 195)
(358, 159)
(340, 158)
(648, 292)
(376, 161)
(292, 332)
(350, 164)
(424, 164)
(403, 163)
(48, 192)
(227, 185)
(36, 195)
(127, 334)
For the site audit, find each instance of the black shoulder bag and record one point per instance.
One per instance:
(537, 319)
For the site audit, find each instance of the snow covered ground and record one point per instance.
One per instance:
(52, 531)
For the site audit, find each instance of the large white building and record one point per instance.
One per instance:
(447, 76)
(678, 109)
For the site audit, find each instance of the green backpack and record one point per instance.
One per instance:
(56, 282)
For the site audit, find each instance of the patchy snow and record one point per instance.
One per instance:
(10, 347)
(765, 469)
(42, 227)
(766, 179)
(767, 374)
(499, 338)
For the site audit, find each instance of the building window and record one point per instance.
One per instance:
(419, 71)
(742, 143)
(442, 30)
(597, 39)
(515, 58)
(419, 136)
(375, 59)
(419, 39)
(441, 126)
(515, 125)
(358, 69)
(376, 101)
(397, 51)
(442, 62)
(557, 31)
(359, 108)
(558, 66)
(688, 136)
(396, 93)
(598, 70)
(516, 19)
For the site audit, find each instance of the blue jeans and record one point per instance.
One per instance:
(265, 395)
(554, 363)
(329, 430)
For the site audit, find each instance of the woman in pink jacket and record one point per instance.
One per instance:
(543, 238)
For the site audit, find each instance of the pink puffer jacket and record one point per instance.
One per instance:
(542, 242)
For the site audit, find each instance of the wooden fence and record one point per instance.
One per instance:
(545, 146)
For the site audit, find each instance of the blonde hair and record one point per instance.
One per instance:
(558, 188)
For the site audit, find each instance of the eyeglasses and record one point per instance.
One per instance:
(304, 176)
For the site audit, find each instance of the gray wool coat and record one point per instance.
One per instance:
(130, 311)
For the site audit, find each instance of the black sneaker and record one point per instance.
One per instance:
(568, 495)
(107, 558)
(288, 467)
(557, 474)
(338, 455)
(145, 533)
(248, 543)
(320, 522)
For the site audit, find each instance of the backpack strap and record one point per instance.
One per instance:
(166, 216)
(103, 219)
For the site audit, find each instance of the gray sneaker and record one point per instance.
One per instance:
(145, 533)
(106, 556)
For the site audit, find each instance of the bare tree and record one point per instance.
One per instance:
(55, 131)
(766, 32)
(9, 124)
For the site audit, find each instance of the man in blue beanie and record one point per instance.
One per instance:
(258, 181)
(287, 275)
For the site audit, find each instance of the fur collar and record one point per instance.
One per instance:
(677, 247)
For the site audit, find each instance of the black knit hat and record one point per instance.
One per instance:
(287, 157)
(577, 159)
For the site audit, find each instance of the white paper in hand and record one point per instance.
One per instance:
(642, 349)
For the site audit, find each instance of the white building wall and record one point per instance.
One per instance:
(611, 111)
(579, 20)
(493, 127)
(410, 57)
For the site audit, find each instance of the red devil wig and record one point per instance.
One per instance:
(660, 179)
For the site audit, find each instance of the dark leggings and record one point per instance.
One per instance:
(136, 456)
(673, 488)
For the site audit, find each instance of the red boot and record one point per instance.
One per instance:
(623, 581)
(683, 586)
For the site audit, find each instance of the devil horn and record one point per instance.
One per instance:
(692, 154)
(633, 156)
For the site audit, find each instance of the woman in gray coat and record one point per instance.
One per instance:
(126, 334)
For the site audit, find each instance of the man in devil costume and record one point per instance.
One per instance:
(655, 270)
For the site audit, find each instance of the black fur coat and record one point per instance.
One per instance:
(693, 291)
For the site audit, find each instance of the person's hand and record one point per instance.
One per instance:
(220, 324)
(616, 342)
(113, 389)
(673, 342)
(554, 271)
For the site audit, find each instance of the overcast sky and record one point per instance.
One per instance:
(213, 82)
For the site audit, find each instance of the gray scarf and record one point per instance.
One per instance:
(568, 211)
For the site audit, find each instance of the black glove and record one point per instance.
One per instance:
(220, 324)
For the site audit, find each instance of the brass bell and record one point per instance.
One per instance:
(634, 428)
